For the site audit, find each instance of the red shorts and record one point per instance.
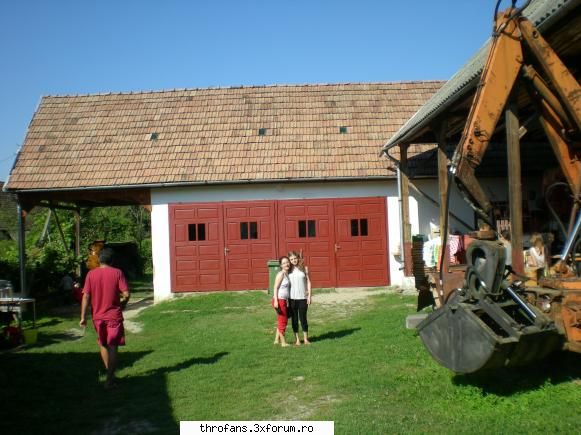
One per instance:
(282, 316)
(110, 332)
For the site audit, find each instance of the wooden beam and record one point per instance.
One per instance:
(78, 239)
(22, 249)
(442, 185)
(406, 226)
(514, 187)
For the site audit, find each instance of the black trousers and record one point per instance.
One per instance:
(298, 311)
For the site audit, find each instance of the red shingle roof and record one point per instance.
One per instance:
(212, 135)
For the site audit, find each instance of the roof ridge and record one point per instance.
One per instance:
(276, 85)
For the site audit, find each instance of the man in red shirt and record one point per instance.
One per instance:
(107, 291)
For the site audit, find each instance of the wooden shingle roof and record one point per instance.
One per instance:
(212, 135)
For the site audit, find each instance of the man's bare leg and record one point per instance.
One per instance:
(112, 351)
(104, 356)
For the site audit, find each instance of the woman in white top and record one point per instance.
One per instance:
(300, 296)
(280, 297)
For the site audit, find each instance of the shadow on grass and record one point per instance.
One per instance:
(557, 368)
(332, 335)
(63, 393)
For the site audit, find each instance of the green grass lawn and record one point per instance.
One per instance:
(211, 357)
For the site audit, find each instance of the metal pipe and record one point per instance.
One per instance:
(521, 303)
(571, 240)
(21, 250)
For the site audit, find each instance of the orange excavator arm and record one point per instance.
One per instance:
(559, 113)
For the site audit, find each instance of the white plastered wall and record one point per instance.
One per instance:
(161, 198)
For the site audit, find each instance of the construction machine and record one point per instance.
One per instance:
(493, 318)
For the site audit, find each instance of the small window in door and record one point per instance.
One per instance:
(359, 227)
(248, 230)
(363, 227)
(196, 232)
(354, 227)
(307, 228)
(253, 230)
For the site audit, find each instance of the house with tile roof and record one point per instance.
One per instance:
(236, 176)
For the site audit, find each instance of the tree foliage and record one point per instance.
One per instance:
(50, 256)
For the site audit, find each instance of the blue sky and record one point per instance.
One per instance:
(63, 47)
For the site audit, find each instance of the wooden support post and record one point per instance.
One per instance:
(78, 238)
(444, 212)
(406, 226)
(442, 186)
(22, 248)
(514, 188)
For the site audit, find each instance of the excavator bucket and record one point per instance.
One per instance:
(465, 339)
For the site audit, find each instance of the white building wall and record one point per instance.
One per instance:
(422, 212)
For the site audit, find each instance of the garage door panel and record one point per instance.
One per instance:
(265, 230)
(372, 245)
(261, 249)
(232, 211)
(184, 265)
(317, 245)
(210, 265)
(371, 261)
(195, 237)
(209, 250)
(324, 228)
(344, 262)
(250, 239)
(210, 279)
(232, 231)
(350, 246)
(235, 250)
(319, 278)
(214, 234)
(294, 210)
(181, 233)
(345, 209)
(317, 210)
(370, 209)
(349, 276)
(257, 212)
(319, 261)
(181, 214)
(290, 230)
(360, 226)
(259, 276)
(238, 264)
(208, 212)
(185, 251)
(186, 280)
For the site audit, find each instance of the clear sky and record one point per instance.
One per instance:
(62, 47)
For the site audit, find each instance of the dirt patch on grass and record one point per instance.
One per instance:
(299, 409)
(348, 295)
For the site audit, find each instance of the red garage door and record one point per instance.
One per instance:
(196, 247)
(226, 245)
(307, 226)
(249, 243)
(361, 242)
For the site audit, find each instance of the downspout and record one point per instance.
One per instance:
(400, 203)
